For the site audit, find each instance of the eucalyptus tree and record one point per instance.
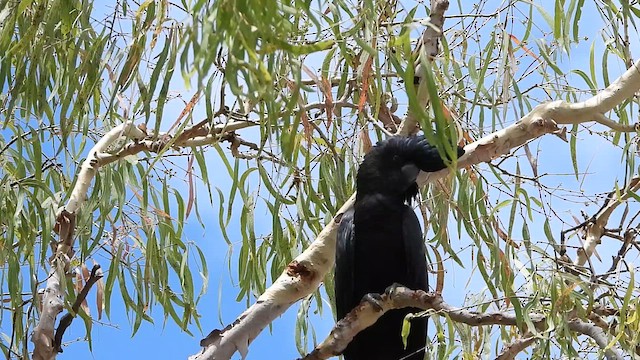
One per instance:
(114, 115)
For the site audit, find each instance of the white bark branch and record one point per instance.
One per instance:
(53, 298)
(426, 50)
(52, 305)
(214, 136)
(302, 277)
(91, 164)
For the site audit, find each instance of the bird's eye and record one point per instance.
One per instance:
(396, 158)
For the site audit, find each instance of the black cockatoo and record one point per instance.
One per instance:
(380, 243)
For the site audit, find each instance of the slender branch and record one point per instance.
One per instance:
(426, 50)
(322, 106)
(596, 227)
(628, 237)
(66, 320)
(397, 296)
(510, 351)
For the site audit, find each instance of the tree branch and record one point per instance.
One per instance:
(510, 351)
(91, 164)
(426, 50)
(301, 277)
(595, 228)
(66, 320)
(397, 296)
(599, 336)
(52, 305)
(53, 298)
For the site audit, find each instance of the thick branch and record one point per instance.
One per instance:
(302, 277)
(90, 165)
(397, 297)
(52, 305)
(620, 90)
(599, 336)
(53, 299)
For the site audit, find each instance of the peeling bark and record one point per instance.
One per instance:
(52, 305)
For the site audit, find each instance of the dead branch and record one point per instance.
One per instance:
(628, 237)
(65, 321)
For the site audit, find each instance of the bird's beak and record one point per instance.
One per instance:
(410, 171)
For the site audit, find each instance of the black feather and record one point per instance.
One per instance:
(380, 243)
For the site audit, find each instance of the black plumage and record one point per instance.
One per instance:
(380, 243)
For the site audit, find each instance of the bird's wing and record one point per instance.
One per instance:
(344, 286)
(414, 250)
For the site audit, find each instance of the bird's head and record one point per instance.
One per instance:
(393, 165)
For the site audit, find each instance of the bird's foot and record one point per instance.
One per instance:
(392, 288)
(375, 300)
